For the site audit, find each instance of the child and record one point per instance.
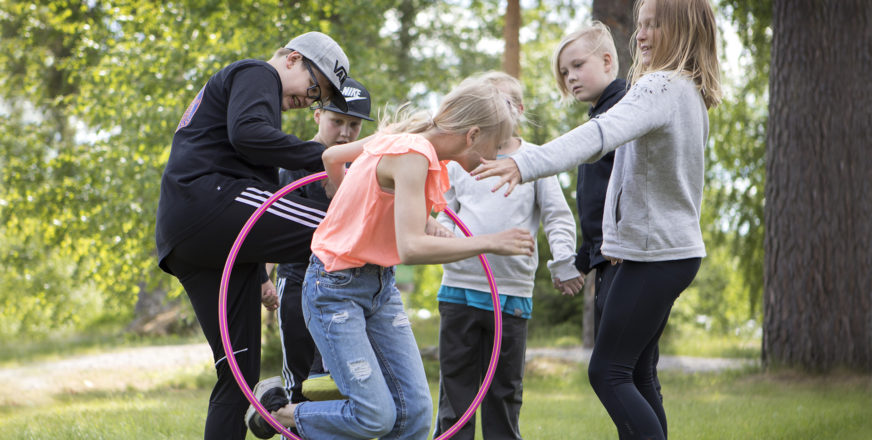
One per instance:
(652, 207)
(299, 354)
(586, 68)
(380, 217)
(223, 164)
(466, 331)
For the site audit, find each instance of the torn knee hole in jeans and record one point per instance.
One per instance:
(340, 317)
(360, 370)
(401, 320)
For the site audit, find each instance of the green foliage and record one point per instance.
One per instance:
(90, 93)
(735, 173)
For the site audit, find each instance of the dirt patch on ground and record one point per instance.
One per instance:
(140, 368)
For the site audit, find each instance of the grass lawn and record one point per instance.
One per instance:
(558, 400)
(558, 404)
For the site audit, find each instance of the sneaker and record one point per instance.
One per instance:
(321, 387)
(271, 394)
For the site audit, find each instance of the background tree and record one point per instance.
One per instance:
(618, 16)
(818, 286)
(511, 29)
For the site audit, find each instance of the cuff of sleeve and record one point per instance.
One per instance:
(563, 270)
(263, 275)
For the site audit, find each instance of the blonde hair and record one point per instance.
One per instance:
(473, 103)
(508, 84)
(599, 37)
(687, 43)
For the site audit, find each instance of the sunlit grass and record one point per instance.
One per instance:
(558, 404)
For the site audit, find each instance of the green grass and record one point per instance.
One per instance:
(558, 400)
(558, 404)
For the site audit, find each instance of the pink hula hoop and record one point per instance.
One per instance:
(228, 348)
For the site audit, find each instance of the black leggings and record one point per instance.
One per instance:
(622, 363)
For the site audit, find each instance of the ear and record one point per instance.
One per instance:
(472, 136)
(293, 58)
(317, 115)
(607, 62)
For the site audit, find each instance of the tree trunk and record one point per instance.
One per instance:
(818, 213)
(618, 16)
(512, 54)
(587, 330)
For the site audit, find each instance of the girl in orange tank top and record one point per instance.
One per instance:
(379, 217)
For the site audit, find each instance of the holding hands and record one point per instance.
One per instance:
(268, 295)
(569, 287)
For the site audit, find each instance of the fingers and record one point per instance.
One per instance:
(614, 260)
(506, 169)
(512, 184)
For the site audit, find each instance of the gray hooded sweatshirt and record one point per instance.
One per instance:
(652, 206)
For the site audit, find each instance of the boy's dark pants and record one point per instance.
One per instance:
(466, 337)
(301, 357)
(198, 263)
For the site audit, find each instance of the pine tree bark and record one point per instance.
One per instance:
(818, 213)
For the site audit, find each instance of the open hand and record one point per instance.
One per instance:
(506, 169)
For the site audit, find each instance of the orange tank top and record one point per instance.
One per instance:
(359, 226)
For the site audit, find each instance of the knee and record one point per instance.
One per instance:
(597, 372)
(378, 423)
(417, 416)
(603, 372)
(420, 409)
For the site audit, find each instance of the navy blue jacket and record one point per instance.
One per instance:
(590, 192)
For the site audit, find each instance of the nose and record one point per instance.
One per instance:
(345, 131)
(571, 77)
(641, 35)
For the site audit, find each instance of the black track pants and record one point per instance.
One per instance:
(282, 235)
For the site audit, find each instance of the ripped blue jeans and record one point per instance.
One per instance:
(357, 320)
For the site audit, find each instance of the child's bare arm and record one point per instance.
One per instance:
(336, 157)
(407, 175)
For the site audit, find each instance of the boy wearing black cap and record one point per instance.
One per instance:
(300, 356)
(223, 165)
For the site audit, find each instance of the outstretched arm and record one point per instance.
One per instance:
(648, 106)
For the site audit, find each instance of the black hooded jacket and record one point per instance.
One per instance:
(593, 180)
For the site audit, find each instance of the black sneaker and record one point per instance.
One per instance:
(272, 396)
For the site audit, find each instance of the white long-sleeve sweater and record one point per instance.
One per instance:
(486, 212)
(652, 206)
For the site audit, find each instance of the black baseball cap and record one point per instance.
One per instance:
(356, 98)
